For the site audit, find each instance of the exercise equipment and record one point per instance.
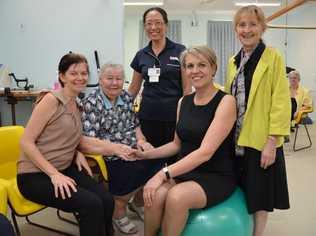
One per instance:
(225, 219)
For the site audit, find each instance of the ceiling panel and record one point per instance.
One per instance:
(187, 6)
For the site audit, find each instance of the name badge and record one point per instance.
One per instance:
(153, 74)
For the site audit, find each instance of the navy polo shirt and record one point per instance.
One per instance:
(160, 99)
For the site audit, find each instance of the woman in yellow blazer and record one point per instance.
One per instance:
(256, 77)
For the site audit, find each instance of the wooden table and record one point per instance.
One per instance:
(13, 96)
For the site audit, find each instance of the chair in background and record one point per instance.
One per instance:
(9, 154)
(302, 119)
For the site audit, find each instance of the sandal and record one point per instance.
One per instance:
(138, 210)
(125, 226)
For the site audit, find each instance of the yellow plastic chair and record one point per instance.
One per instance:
(3, 199)
(97, 160)
(301, 120)
(9, 155)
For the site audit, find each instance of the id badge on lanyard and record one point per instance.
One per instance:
(153, 74)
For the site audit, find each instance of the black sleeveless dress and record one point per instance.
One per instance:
(217, 175)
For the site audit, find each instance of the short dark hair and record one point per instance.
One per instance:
(160, 10)
(69, 59)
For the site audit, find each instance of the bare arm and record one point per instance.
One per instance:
(136, 84)
(97, 146)
(142, 143)
(37, 122)
(139, 135)
(63, 185)
(164, 151)
(167, 150)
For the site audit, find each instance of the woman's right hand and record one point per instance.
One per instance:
(137, 154)
(63, 185)
(123, 151)
(151, 187)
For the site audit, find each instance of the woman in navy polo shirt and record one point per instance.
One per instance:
(159, 66)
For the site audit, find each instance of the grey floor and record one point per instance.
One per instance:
(300, 220)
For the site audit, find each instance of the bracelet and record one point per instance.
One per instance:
(166, 171)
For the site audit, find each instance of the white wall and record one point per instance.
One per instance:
(301, 48)
(191, 35)
(36, 33)
(302, 43)
(131, 42)
(297, 46)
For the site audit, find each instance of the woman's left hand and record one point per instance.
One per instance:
(268, 153)
(151, 187)
(81, 162)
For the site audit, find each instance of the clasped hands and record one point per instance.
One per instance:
(128, 153)
(64, 186)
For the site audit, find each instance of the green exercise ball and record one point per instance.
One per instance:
(229, 218)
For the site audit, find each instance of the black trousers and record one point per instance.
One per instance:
(91, 201)
(6, 228)
(159, 133)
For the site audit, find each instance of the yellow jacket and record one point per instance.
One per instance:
(303, 98)
(269, 108)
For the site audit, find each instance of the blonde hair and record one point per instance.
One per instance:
(295, 73)
(197, 51)
(251, 10)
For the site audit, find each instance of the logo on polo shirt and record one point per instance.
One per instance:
(174, 58)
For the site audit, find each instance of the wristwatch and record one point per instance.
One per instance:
(166, 171)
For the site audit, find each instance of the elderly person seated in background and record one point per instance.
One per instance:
(108, 115)
(301, 95)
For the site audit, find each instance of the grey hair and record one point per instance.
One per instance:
(111, 65)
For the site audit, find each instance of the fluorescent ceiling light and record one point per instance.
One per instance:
(143, 3)
(259, 4)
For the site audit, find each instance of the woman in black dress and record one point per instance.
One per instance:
(204, 173)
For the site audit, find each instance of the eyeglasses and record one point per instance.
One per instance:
(157, 24)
